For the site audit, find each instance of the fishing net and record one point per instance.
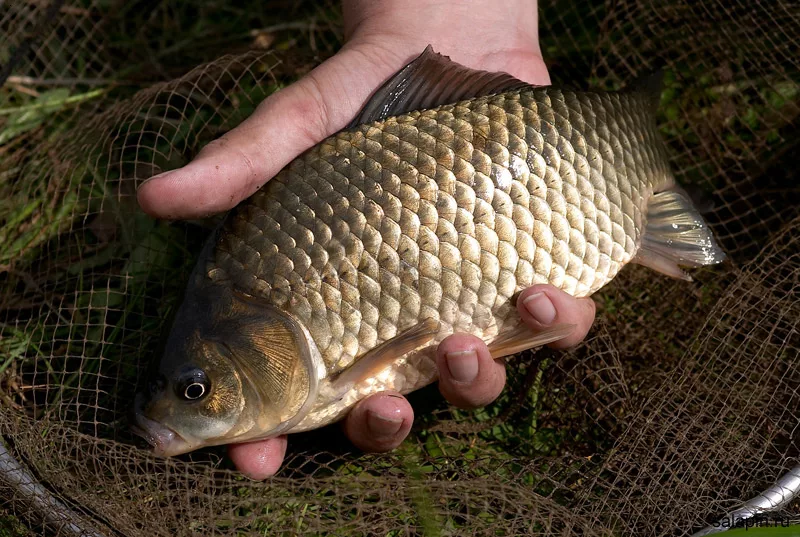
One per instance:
(681, 405)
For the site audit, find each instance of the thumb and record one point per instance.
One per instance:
(284, 125)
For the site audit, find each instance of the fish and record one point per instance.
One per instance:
(449, 193)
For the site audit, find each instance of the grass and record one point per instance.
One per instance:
(10, 526)
(69, 231)
(66, 233)
(115, 271)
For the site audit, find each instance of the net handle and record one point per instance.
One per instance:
(33, 501)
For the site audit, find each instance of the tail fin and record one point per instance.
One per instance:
(676, 235)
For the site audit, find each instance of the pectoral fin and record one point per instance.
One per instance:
(377, 359)
(522, 338)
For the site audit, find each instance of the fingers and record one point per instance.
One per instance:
(292, 120)
(380, 422)
(259, 460)
(541, 306)
(468, 376)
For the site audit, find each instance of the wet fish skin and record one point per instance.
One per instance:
(339, 278)
(447, 214)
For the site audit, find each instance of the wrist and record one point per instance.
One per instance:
(468, 31)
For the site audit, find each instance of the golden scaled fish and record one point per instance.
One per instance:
(451, 191)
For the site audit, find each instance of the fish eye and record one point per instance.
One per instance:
(194, 390)
(193, 386)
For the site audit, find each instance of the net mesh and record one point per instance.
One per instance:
(681, 404)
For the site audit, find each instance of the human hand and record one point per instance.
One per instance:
(382, 36)
(468, 378)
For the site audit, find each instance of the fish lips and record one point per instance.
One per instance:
(165, 441)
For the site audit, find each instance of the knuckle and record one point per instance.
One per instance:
(591, 307)
(224, 145)
(312, 109)
(586, 314)
(218, 144)
(476, 399)
(477, 394)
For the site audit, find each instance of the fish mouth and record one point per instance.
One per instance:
(165, 441)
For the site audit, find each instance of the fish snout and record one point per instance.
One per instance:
(165, 441)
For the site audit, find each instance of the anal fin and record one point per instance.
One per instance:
(676, 235)
(664, 264)
(522, 338)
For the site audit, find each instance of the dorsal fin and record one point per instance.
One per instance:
(429, 81)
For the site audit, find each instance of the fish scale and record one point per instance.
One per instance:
(338, 278)
(446, 214)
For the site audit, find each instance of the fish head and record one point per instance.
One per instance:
(235, 369)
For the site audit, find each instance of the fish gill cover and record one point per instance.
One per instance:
(681, 405)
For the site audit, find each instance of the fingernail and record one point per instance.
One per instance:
(159, 176)
(463, 365)
(540, 307)
(382, 426)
